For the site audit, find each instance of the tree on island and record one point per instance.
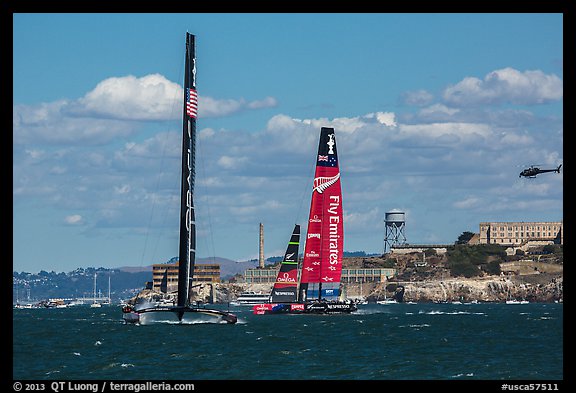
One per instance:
(464, 237)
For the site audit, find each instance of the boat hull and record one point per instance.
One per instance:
(305, 308)
(250, 299)
(177, 315)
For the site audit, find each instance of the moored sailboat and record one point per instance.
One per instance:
(319, 285)
(95, 303)
(183, 311)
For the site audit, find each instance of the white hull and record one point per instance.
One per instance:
(175, 316)
(250, 299)
(250, 302)
(388, 301)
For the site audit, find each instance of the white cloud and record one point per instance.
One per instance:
(211, 107)
(124, 189)
(268, 102)
(514, 139)
(75, 219)
(467, 203)
(446, 132)
(361, 219)
(153, 97)
(506, 85)
(386, 118)
(111, 109)
(438, 158)
(150, 97)
(438, 110)
(229, 162)
(417, 98)
(342, 124)
(53, 124)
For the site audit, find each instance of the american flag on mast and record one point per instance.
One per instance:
(191, 102)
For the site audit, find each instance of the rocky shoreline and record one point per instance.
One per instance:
(543, 288)
(537, 281)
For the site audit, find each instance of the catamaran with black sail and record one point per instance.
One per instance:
(183, 311)
(318, 291)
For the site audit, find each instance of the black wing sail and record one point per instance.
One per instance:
(286, 286)
(187, 253)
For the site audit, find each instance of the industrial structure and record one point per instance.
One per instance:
(395, 224)
(261, 247)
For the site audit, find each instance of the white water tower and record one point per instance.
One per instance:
(395, 224)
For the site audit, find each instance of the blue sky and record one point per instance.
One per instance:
(435, 115)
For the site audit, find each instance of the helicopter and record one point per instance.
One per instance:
(534, 170)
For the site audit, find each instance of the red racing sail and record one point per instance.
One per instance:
(322, 263)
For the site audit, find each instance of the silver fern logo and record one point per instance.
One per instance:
(322, 183)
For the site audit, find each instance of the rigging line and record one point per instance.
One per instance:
(153, 209)
(305, 193)
(202, 169)
(175, 108)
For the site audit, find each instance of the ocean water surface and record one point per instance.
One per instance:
(486, 341)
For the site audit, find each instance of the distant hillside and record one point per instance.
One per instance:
(135, 269)
(228, 267)
(124, 281)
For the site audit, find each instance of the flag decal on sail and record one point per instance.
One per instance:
(191, 102)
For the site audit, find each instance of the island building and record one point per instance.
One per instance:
(203, 273)
(512, 235)
(519, 233)
(350, 275)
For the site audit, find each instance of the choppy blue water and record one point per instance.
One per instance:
(379, 342)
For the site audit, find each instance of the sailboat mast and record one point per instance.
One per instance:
(94, 300)
(187, 250)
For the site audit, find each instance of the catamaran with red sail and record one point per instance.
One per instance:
(318, 289)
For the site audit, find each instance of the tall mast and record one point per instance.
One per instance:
(94, 300)
(187, 251)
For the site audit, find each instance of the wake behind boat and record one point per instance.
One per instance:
(318, 291)
(183, 311)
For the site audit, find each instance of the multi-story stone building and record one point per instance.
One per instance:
(518, 233)
(209, 273)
